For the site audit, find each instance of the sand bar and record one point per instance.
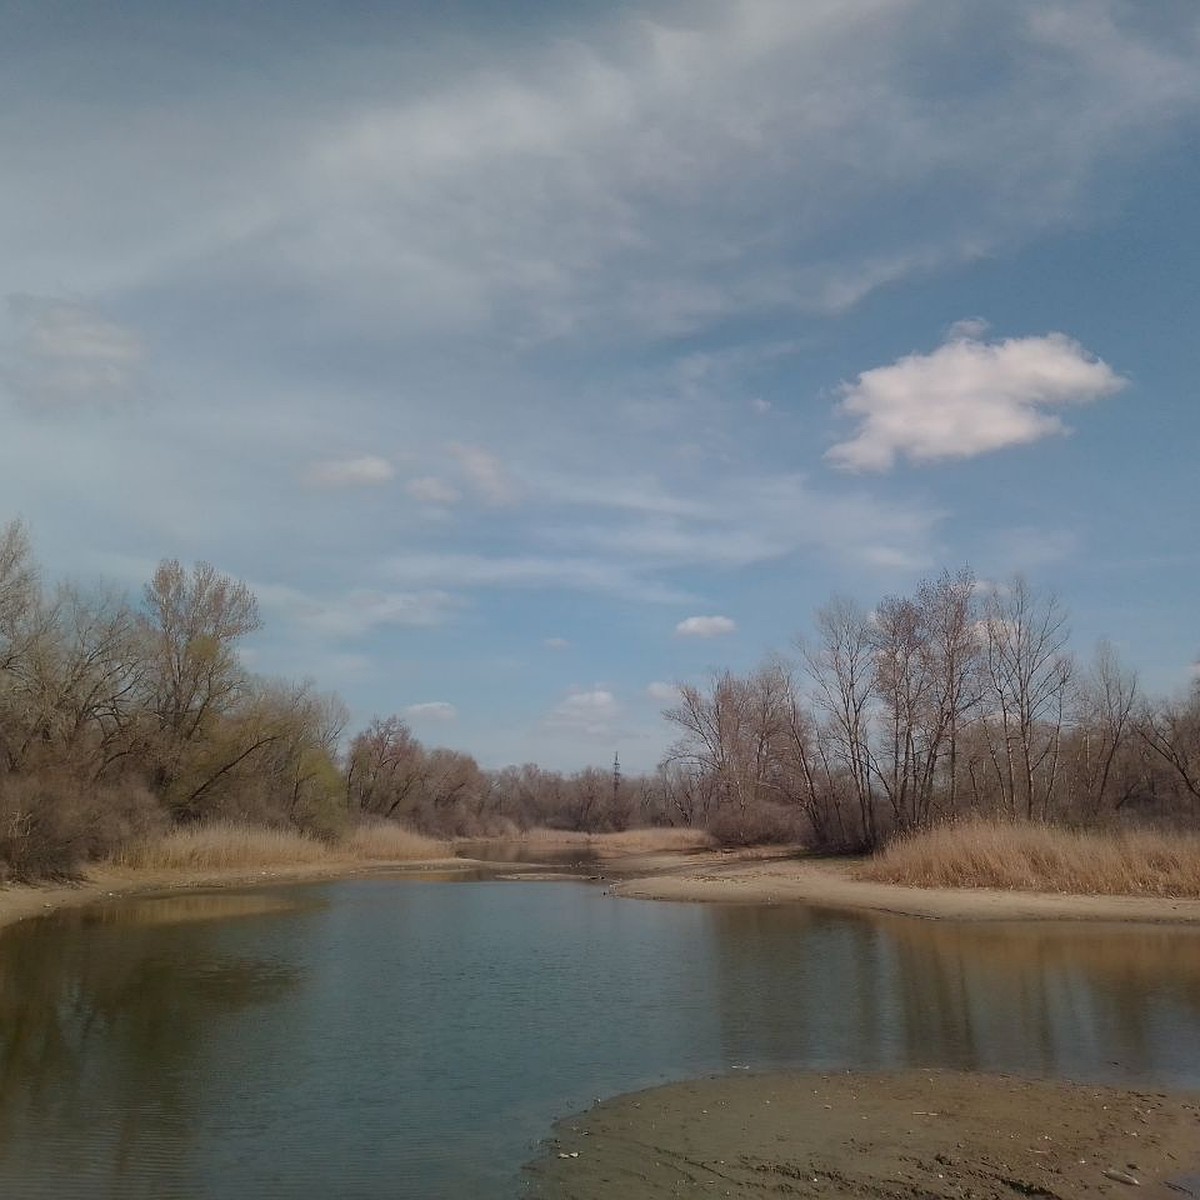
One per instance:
(904, 1135)
(829, 882)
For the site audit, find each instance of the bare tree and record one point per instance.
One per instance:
(1172, 733)
(1028, 672)
(1106, 698)
(841, 664)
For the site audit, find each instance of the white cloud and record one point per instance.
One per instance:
(967, 398)
(431, 710)
(594, 713)
(705, 627)
(664, 693)
(556, 643)
(367, 471)
(486, 474)
(66, 355)
(431, 490)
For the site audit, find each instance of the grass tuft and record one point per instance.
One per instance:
(1041, 858)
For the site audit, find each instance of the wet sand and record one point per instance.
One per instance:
(904, 1135)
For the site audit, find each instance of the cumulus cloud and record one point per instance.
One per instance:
(486, 474)
(367, 471)
(967, 398)
(664, 693)
(705, 627)
(67, 355)
(593, 714)
(431, 710)
(433, 491)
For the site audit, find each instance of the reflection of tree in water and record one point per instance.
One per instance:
(104, 1032)
(797, 985)
(1079, 1000)
(877, 992)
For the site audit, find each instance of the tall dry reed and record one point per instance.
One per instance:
(223, 845)
(1041, 858)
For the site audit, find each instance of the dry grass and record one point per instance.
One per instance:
(223, 846)
(1039, 858)
(393, 843)
(656, 840)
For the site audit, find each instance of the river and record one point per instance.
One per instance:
(401, 1038)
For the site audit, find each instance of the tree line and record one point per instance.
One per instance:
(122, 719)
(957, 699)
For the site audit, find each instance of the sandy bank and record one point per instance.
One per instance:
(829, 882)
(911, 1134)
(772, 876)
(17, 903)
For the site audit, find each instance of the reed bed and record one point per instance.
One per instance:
(387, 841)
(223, 845)
(1040, 858)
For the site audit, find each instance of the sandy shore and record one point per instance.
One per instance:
(774, 876)
(906, 1135)
(19, 903)
(829, 882)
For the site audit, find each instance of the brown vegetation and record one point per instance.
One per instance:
(954, 702)
(223, 845)
(1035, 857)
(121, 722)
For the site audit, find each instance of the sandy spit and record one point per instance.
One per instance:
(829, 882)
(913, 1134)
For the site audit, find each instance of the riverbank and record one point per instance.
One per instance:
(636, 868)
(908, 1134)
(637, 852)
(830, 882)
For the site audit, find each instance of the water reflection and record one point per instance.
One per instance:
(104, 1030)
(1110, 1003)
(381, 1037)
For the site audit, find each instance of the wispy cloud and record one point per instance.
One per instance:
(66, 355)
(487, 475)
(357, 612)
(439, 711)
(968, 398)
(369, 470)
(706, 627)
(433, 491)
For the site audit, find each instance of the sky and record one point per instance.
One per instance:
(527, 360)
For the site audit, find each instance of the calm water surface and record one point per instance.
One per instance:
(405, 1039)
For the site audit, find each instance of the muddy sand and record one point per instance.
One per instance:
(904, 1135)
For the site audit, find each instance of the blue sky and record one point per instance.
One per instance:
(525, 363)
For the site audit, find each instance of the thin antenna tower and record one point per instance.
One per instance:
(616, 774)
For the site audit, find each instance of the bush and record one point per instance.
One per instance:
(50, 828)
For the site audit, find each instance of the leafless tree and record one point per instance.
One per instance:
(1028, 672)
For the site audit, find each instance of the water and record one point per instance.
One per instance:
(410, 1039)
